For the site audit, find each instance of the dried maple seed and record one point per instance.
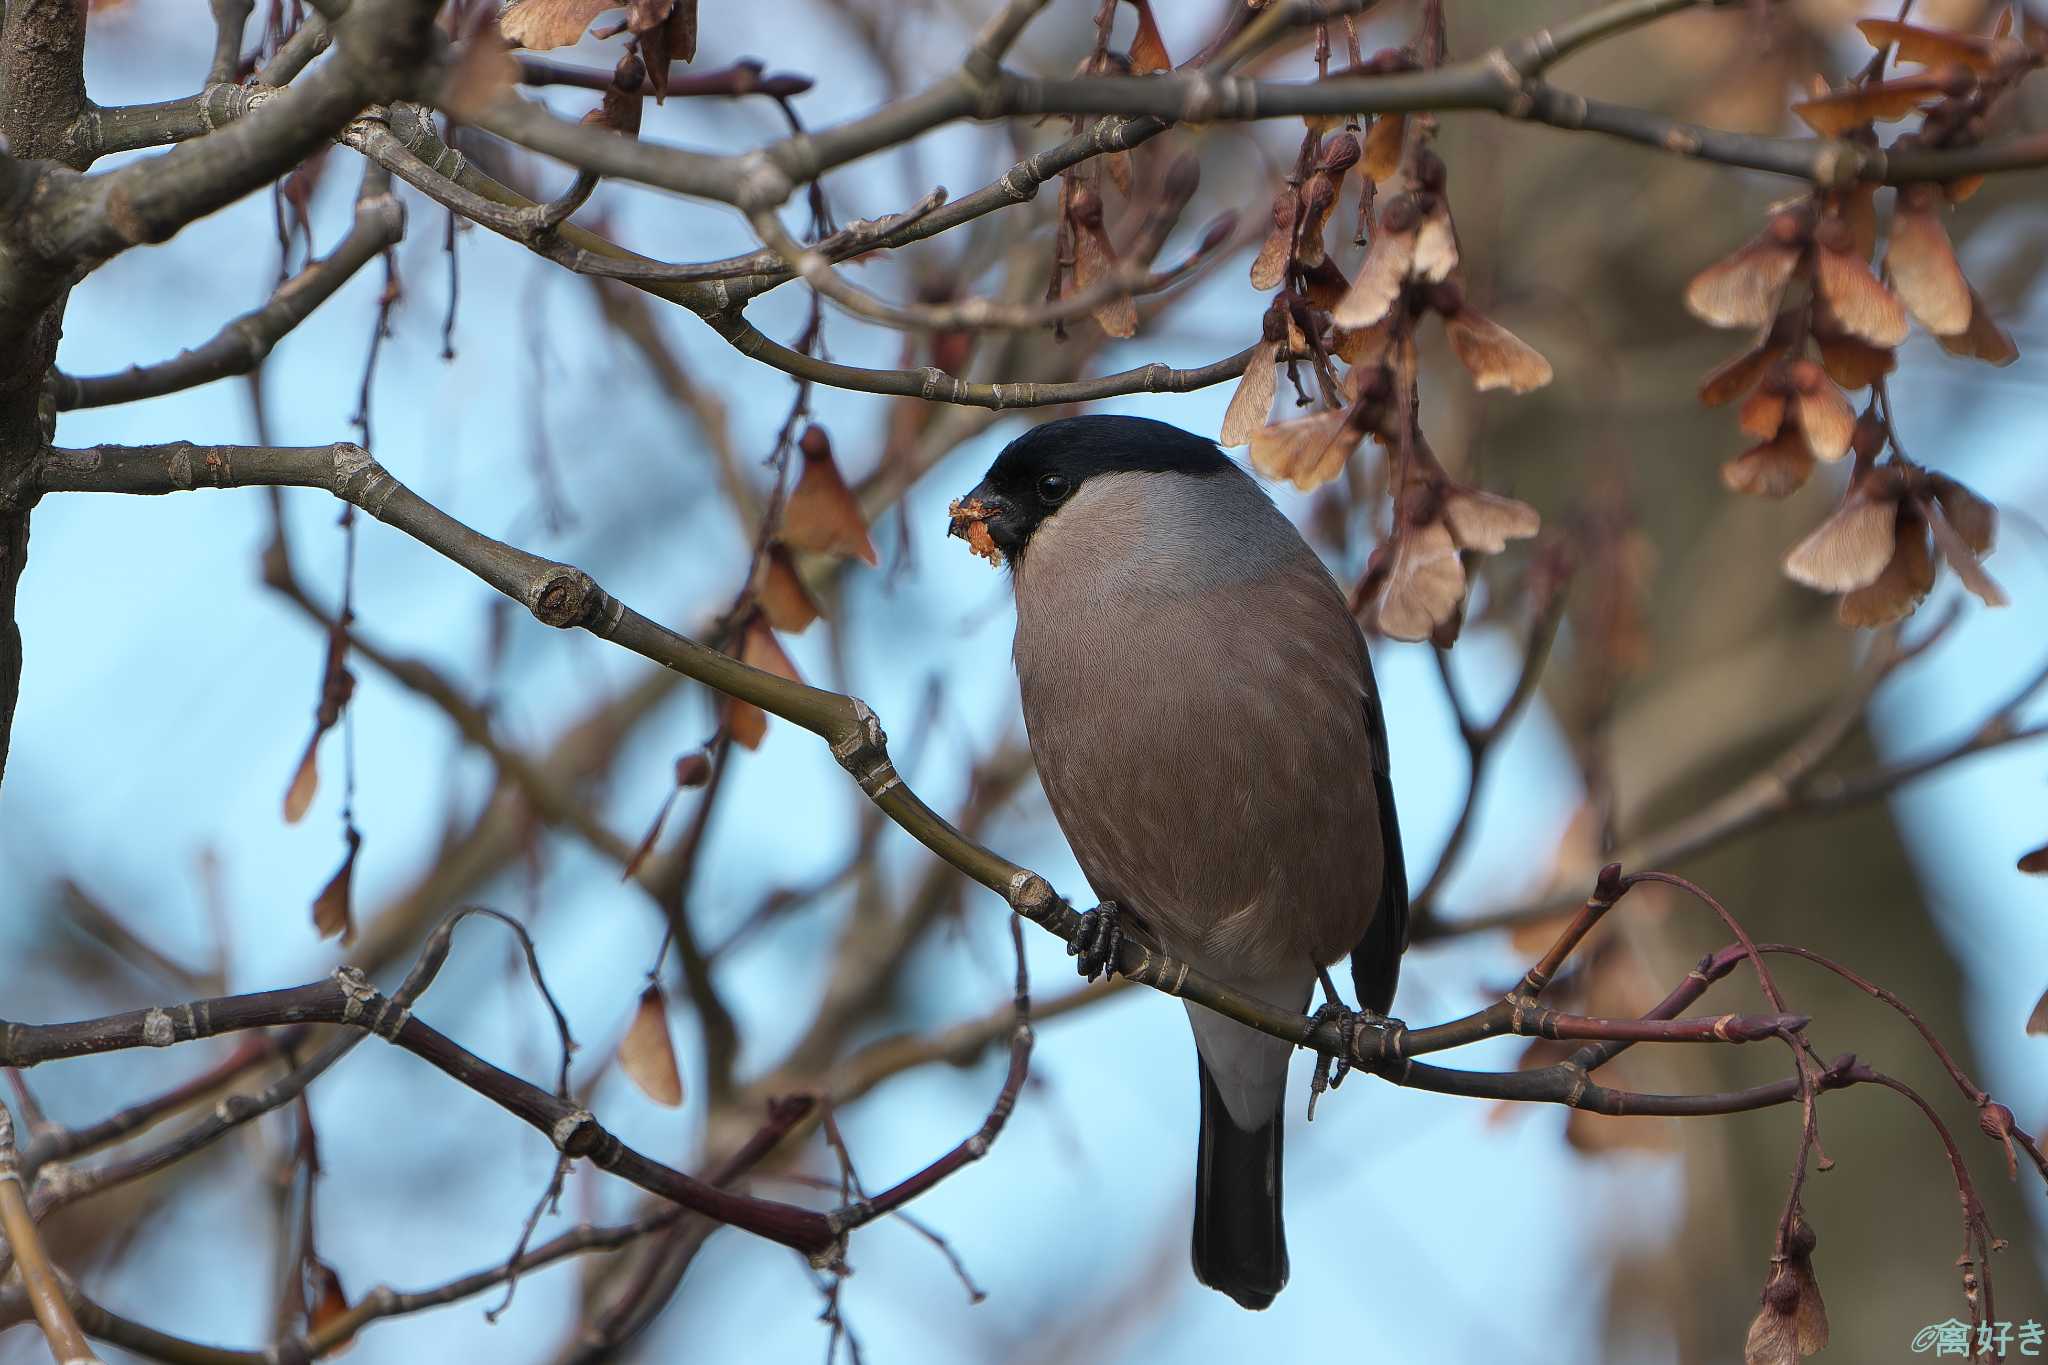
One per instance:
(1923, 264)
(1774, 469)
(1252, 402)
(1743, 289)
(1324, 284)
(1269, 267)
(823, 515)
(1496, 357)
(1983, 339)
(1306, 451)
(1430, 173)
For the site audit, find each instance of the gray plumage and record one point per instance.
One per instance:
(1201, 708)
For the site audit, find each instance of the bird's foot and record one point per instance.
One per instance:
(1350, 1025)
(1099, 942)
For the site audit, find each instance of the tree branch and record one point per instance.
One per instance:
(243, 344)
(46, 1296)
(347, 998)
(89, 218)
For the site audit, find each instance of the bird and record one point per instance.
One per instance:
(1201, 708)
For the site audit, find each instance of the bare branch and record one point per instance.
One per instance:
(243, 344)
(46, 1296)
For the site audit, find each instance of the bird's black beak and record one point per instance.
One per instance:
(988, 523)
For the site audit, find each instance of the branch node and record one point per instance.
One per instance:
(356, 992)
(761, 185)
(864, 752)
(565, 596)
(351, 463)
(157, 1029)
(1519, 103)
(1580, 1083)
(575, 1133)
(1030, 895)
(1839, 165)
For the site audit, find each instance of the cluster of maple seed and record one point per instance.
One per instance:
(1828, 325)
(1415, 582)
(821, 516)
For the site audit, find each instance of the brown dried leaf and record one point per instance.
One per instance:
(484, 71)
(1362, 347)
(1380, 277)
(1854, 364)
(1848, 550)
(646, 845)
(648, 1054)
(541, 24)
(1826, 418)
(760, 649)
(1963, 560)
(1306, 451)
(1118, 164)
(337, 686)
(1844, 111)
(1738, 375)
(1269, 267)
(1772, 1339)
(682, 31)
(1425, 583)
(1497, 358)
(1595, 1134)
(1383, 143)
(1863, 307)
(1762, 414)
(747, 723)
(1318, 199)
(1742, 289)
(1858, 207)
(1929, 46)
(1095, 261)
(1324, 284)
(780, 590)
(1251, 406)
(1148, 49)
(2037, 1022)
(1982, 339)
(1907, 579)
(305, 783)
(331, 908)
(1923, 263)
(1486, 522)
(1974, 519)
(621, 107)
(822, 515)
(1777, 468)
(1436, 244)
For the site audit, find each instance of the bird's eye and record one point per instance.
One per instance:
(1054, 487)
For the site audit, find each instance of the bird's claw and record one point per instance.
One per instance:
(1350, 1024)
(1099, 942)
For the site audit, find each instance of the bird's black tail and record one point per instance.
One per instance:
(1240, 1245)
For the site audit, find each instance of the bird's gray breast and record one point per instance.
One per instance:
(1195, 688)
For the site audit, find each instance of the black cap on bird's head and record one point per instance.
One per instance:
(1039, 471)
